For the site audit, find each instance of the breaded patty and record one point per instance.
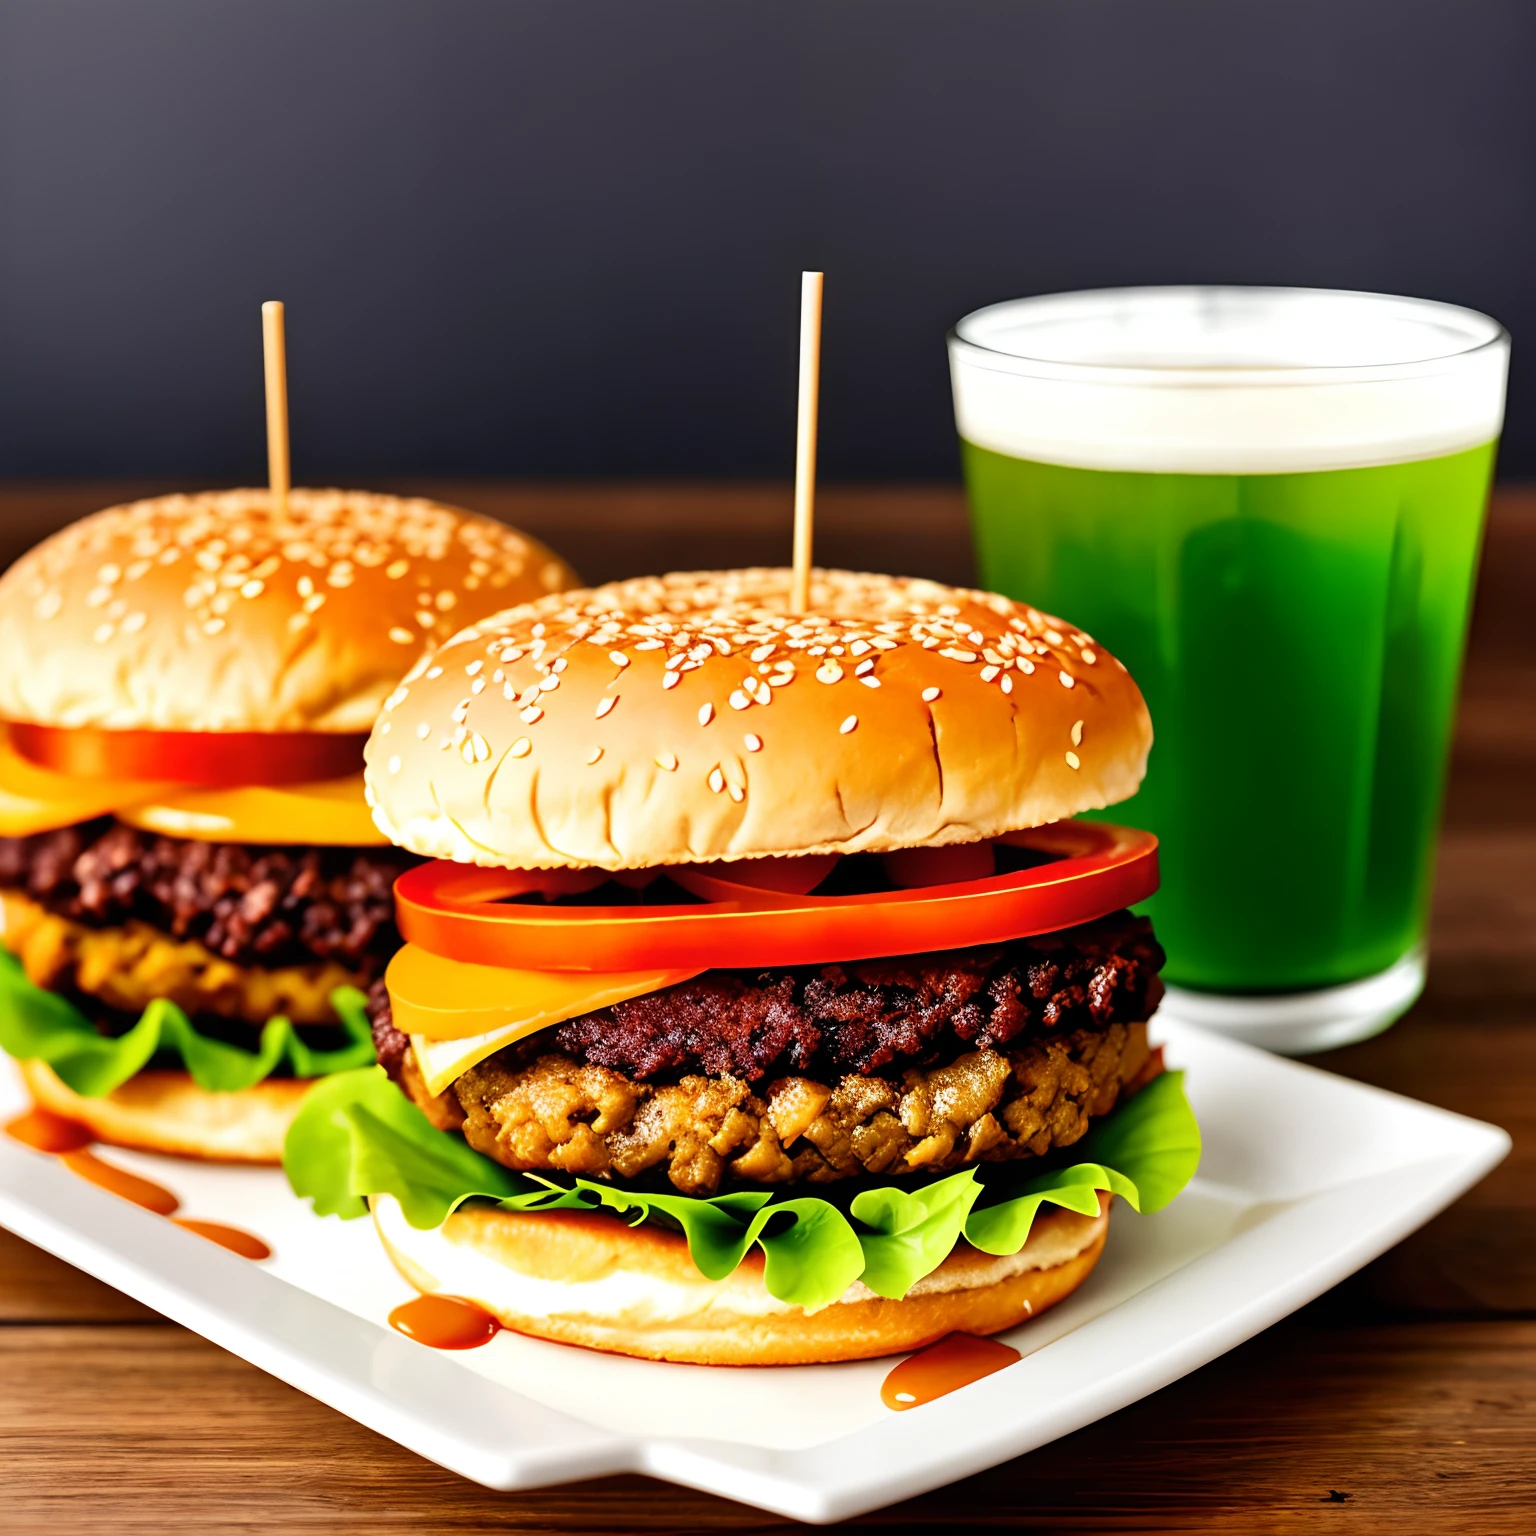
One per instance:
(536, 1109)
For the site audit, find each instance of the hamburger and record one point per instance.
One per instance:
(760, 1003)
(193, 895)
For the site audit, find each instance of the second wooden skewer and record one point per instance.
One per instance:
(275, 355)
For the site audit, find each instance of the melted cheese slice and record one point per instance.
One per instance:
(332, 813)
(35, 799)
(457, 1013)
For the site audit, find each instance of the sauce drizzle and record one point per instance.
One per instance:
(118, 1181)
(954, 1362)
(445, 1322)
(44, 1131)
(246, 1244)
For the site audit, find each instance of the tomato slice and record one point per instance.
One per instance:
(759, 918)
(211, 759)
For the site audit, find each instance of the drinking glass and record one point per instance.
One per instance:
(1268, 503)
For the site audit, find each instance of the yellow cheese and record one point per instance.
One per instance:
(330, 813)
(34, 799)
(457, 1013)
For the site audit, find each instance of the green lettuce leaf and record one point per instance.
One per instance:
(357, 1136)
(36, 1024)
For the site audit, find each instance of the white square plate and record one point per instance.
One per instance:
(1306, 1176)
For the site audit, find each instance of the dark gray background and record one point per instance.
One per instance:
(563, 237)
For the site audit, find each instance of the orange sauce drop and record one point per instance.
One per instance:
(246, 1244)
(118, 1181)
(955, 1361)
(445, 1322)
(45, 1131)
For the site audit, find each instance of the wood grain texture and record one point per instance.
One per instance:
(1411, 1388)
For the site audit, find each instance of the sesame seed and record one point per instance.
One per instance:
(212, 627)
(618, 658)
(103, 633)
(706, 713)
(829, 672)
(531, 715)
(253, 589)
(1007, 684)
(738, 794)
(394, 765)
(604, 705)
(423, 731)
(1025, 664)
(671, 679)
(1077, 733)
(930, 694)
(560, 664)
(520, 748)
(1067, 680)
(474, 667)
(863, 668)
(1053, 637)
(1073, 761)
(594, 755)
(666, 761)
(858, 648)
(396, 569)
(870, 682)
(478, 686)
(850, 724)
(649, 645)
(988, 673)
(716, 780)
(433, 671)
(134, 623)
(754, 743)
(548, 684)
(763, 652)
(956, 654)
(739, 700)
(1089, 656)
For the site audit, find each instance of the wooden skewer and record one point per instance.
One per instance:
(805, 438)
(275, 354)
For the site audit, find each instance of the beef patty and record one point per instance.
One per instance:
(866, 1016)
(250, 904)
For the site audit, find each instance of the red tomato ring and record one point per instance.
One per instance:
(211, 759)
(460, 911)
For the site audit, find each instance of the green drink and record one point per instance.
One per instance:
(1283, 555)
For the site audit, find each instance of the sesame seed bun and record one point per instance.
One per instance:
(167, 1112)
(593, 1281)
(690, 717)
(210, 613)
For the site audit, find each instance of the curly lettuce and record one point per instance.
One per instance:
(358, 1136)
(36, 1024)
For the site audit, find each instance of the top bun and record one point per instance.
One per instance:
(211, 613)
(689, 717)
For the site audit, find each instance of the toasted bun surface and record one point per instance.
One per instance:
(210, 613)
(593, 1281)
(168, 1112)
(690, 717)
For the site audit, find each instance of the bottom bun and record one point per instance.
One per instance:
(593, 1281)
(168, 1112)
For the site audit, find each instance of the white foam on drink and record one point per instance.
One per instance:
(1227, 380)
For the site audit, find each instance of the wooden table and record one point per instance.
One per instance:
(1405, 1400)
